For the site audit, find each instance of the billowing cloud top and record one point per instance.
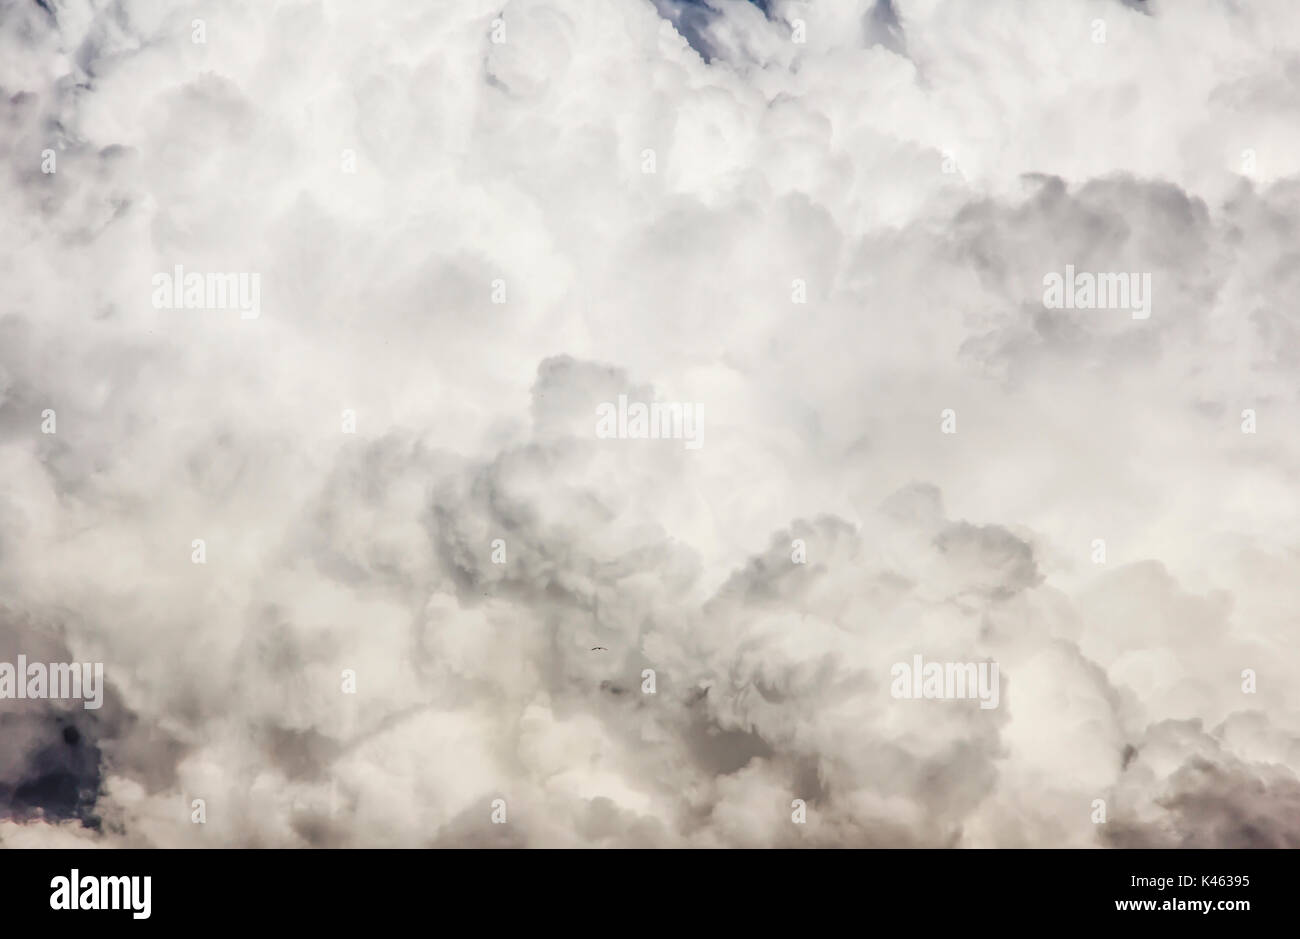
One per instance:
(331, 333)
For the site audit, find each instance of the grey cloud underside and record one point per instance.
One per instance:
(53, 753)
(372, 551)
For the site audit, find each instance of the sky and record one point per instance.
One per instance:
(364, 570)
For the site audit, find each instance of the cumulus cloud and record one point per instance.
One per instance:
(428, 583)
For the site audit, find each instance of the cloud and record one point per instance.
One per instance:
(472, 228)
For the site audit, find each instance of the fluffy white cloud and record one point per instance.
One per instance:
(498, 265)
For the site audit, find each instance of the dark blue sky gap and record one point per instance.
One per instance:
(691, 18)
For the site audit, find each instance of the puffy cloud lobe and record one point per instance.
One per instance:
(522, 162)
